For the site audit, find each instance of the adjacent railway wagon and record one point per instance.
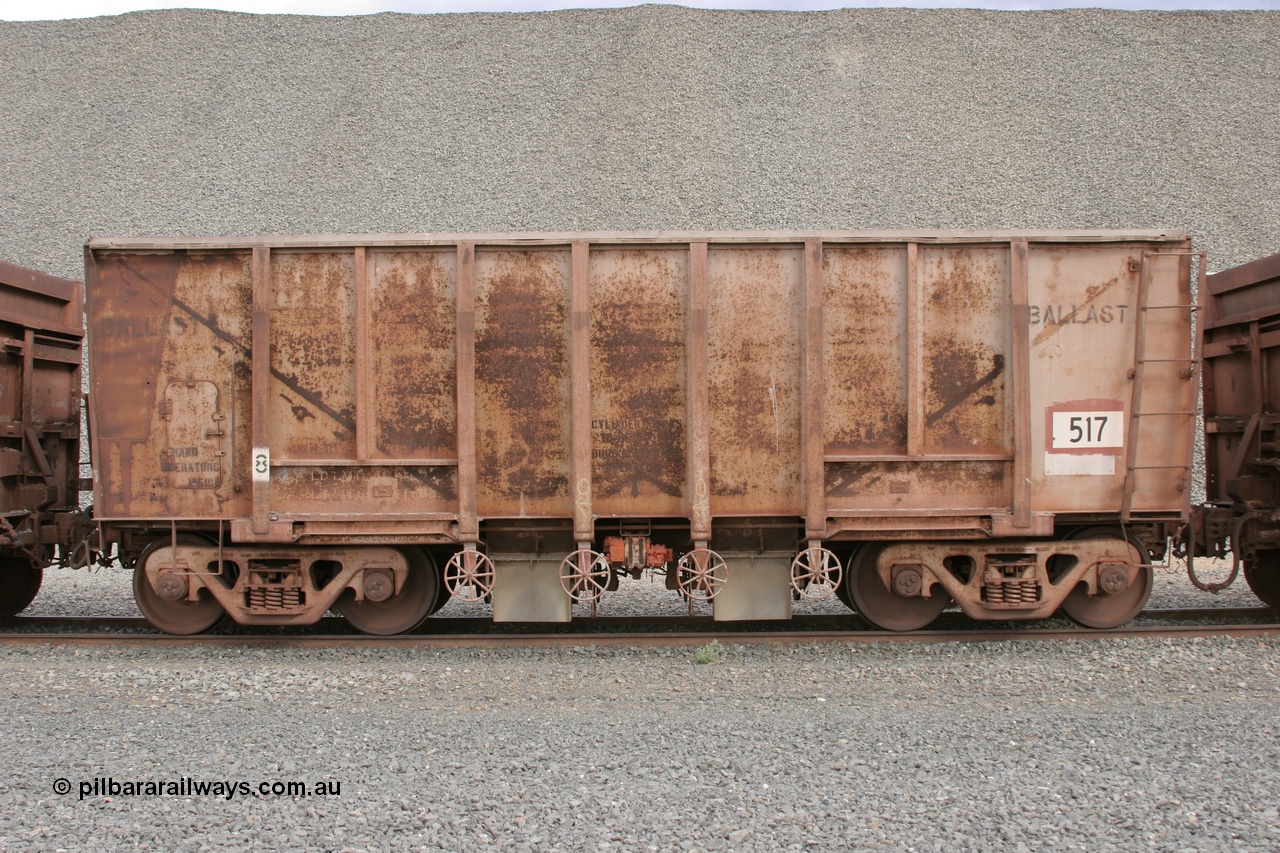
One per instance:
(41, 330)
(1241, 349)
(284, 426)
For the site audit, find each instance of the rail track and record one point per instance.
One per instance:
(630, 631)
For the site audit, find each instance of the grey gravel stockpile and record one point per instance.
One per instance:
(194, 123)
(188, 122)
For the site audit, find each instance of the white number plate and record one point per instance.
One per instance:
(261, 465)
(1072, 430)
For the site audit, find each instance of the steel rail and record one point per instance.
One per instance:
(455, 624)
(679, 631)
(642, 639)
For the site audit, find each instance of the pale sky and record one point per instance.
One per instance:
(33, 10)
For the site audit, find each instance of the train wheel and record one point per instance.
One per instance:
(402, 612)
(168, 609)
(1109, 610)
(883, 607)
(1263, 576)
(19, 583)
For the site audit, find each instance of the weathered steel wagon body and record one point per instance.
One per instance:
(284, 425)
(41, 331)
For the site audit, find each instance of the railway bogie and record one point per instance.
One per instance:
(185, 582)
(1101, 582)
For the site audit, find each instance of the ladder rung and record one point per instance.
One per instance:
(1168, 307)
(1166, 361)
(1158, 467)
(1152, 414)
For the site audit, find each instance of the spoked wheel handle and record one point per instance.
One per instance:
(815, 573)
(701, 574)
(469, 576)
(584, 575)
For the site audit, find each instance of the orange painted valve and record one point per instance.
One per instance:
(615, 549)
(657, 556)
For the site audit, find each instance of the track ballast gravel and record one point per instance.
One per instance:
(1091, 746)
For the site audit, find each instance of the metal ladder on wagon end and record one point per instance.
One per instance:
(1190, 372)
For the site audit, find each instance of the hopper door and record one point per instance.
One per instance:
(197, 435)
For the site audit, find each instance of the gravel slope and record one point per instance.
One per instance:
(188, 122)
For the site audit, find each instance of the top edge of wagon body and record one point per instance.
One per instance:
(560, 238)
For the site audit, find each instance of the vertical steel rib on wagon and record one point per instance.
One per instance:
(905, 419)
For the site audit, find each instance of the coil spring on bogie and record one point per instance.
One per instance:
(274, 598)
(1013, 591)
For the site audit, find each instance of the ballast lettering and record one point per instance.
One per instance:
(1062, 315)
(127, 327)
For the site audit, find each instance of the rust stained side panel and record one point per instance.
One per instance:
(207, 344)
(754, 370)
(1083, 326)
(865, 328)
(1166, 387)
(313, 355)
(129, 309)
(639, 372)
(928, 487)
(966, 349)
(394, 491)
(41, 322)
(1082, 322)
(35, 300)
(522, 382)
(167, 406)
(413, 325)
(1241, 361)
(916, 353)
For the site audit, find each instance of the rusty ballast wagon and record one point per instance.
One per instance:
(41, 333)
(905, 418)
